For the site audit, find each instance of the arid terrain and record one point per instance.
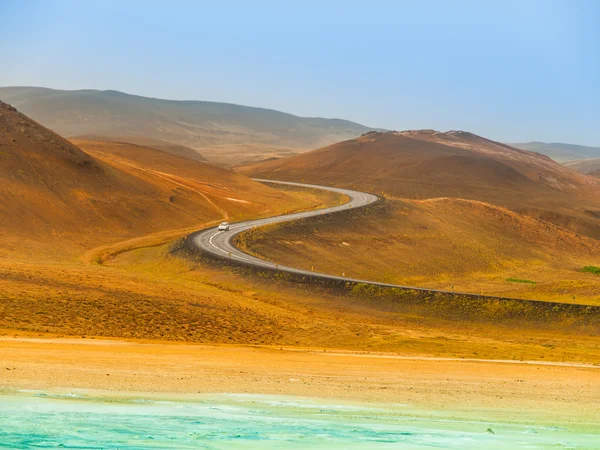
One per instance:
(343, 225)
(57, 196)
(156, 144)
(446, 243)
(68, 211)
(82, 262)
(93, 252)
(426, 164)
(461, 213)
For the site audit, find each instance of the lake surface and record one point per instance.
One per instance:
(86, 421)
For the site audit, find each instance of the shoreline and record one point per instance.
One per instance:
(485, 417)
(519, 393)
(225, 421)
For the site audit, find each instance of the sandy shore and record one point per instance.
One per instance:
(510, 391)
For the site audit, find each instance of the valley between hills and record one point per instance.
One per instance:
(92, 235)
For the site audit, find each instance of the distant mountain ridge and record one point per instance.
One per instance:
(560, 152)
(221, 131)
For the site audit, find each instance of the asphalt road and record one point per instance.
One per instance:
(219, 243)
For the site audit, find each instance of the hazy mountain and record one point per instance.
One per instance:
(223, 132)
(560, 152)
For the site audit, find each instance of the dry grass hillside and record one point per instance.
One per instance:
(148, 294)
(428, 164)
(87, 252)
(157, 144)
(443, 243)
(462, 213)
(55, 196)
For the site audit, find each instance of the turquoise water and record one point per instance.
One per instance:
(83, 421)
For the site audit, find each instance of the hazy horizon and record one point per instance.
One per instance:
(510, 71)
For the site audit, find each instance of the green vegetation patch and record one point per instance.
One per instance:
(592, 269)
(518, 280)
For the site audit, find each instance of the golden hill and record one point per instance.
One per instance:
(58, 196)
(60, 201)
(443, 243)
(156, 144)
(428, 164)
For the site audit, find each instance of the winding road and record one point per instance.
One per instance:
(220, 243)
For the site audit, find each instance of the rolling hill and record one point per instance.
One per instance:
(224, 133)
(588, 165)
(157, 144)
(58, 200)
(429, 164)
(461, 213)
(444, 243)
(560, 152)
(59, 196)
(70, 215)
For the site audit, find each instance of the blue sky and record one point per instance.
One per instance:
(508, 70)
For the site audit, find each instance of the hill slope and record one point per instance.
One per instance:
(560, 152)
(584, 165)
(427, 164)
(442, 243)
(54, 193)
(209, 126)
(157, 144)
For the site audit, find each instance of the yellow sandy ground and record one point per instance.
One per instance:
(519, 392)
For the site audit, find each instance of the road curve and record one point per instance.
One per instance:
(220, 243)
